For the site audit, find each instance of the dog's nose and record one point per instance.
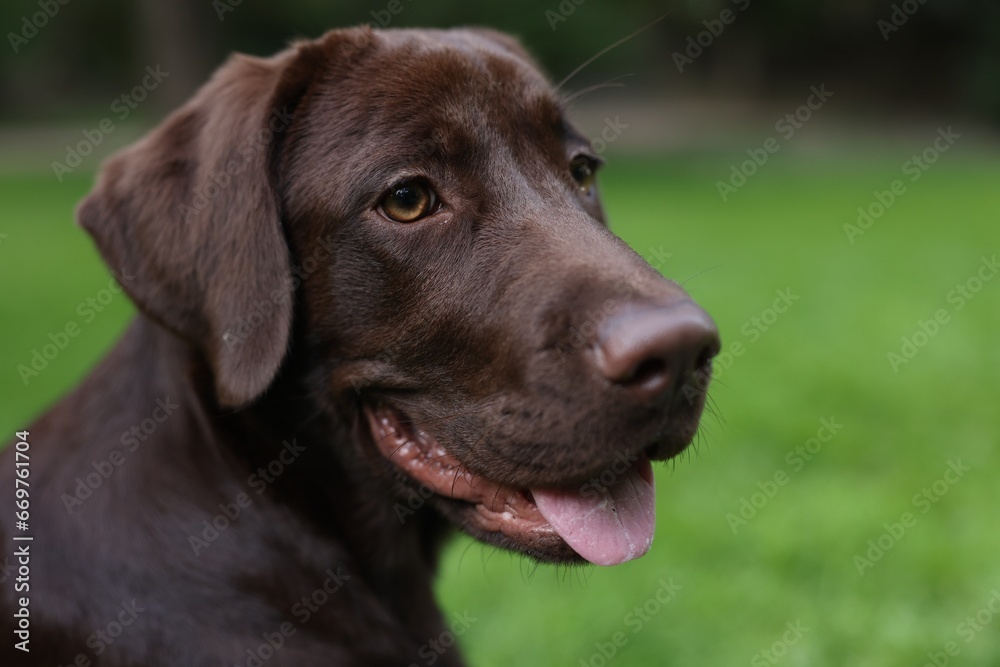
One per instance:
(652, 349)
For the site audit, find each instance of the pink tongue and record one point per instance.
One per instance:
(607, 525)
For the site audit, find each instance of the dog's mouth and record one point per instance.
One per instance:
(606, 523)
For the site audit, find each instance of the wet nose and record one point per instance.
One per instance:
(653, 349)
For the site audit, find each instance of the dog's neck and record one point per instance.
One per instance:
(308, 497)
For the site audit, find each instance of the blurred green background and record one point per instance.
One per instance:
(840, 506)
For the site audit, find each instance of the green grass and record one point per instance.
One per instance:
(826, 357)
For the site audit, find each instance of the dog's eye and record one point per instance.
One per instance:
(408, 201)
(584, 170)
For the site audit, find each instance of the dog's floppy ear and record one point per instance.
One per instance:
(190, 220)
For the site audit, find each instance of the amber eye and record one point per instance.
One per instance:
(583, 169)
(408, 201)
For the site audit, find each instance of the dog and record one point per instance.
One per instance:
(377, 300)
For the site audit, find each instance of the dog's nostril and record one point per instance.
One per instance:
(705, 357)
(647, 371)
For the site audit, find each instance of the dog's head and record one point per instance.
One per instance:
(413, 210)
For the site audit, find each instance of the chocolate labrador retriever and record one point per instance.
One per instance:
(377, 299)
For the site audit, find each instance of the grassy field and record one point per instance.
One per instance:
(839, 509)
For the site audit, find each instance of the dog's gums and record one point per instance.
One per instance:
(604, 525)
(498, 508)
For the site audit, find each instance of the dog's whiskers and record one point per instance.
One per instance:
(610, 83)
(698, 274)
(609, 48)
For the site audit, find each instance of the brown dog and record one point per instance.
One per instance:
(372, 271)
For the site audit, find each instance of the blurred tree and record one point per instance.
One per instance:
(177, 35)
(946, 54)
